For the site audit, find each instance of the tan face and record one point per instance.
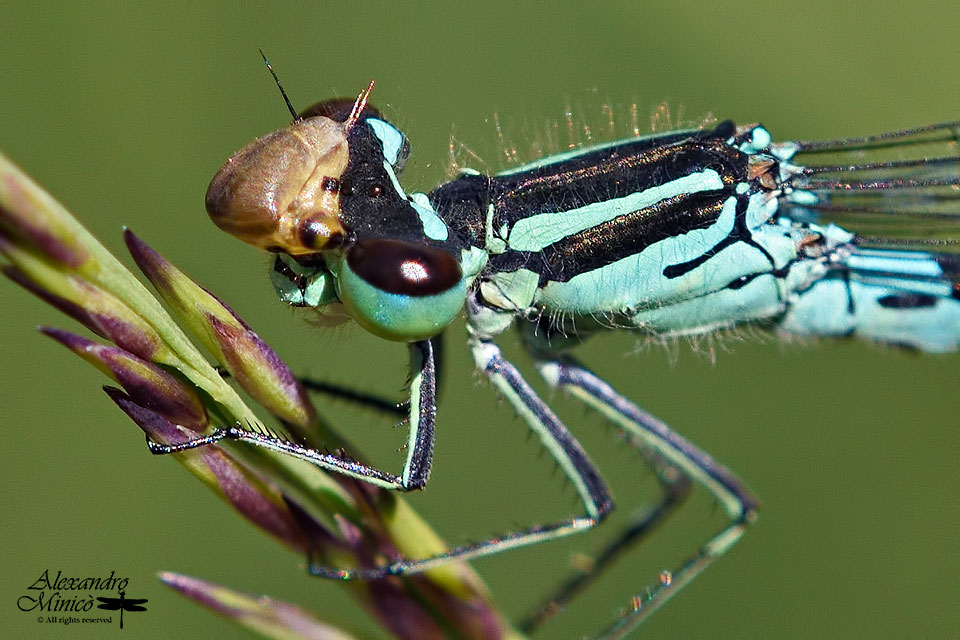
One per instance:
(281, 192)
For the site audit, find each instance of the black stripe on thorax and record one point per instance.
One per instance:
(608, 172)
(623, 236)
(612, 172)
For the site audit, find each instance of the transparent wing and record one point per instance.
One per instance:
(895, 190)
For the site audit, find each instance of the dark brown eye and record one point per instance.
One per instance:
(403, 268)
(309, 233)
(330, 185)
(316, 234)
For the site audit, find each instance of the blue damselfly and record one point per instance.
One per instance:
(674, 234)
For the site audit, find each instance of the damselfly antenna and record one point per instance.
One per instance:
(358, 106)
(286, 100)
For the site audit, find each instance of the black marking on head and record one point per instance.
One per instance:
(370, 206)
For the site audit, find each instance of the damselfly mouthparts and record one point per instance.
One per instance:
(673, 234)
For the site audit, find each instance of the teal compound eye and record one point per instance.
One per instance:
(399, 290)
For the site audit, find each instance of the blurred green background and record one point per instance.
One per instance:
(125, 112)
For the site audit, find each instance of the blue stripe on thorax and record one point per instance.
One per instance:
(538, 231)
(638, 279)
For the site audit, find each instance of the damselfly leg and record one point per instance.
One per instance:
(422, 417)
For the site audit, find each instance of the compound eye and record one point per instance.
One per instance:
(406, 269)
(401, 291)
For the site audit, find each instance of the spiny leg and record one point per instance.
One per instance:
(741, 506)
(558, 441)
(545, 344)
(507, 379)
(675, 487)
(422, 417)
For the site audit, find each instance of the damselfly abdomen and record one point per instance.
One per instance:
(675, 234)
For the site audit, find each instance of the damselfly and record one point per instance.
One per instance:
(672, 234)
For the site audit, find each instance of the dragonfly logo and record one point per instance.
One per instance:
(122, 604)
(63, 599)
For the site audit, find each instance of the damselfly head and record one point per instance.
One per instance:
(281, 192)
(323, 194)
